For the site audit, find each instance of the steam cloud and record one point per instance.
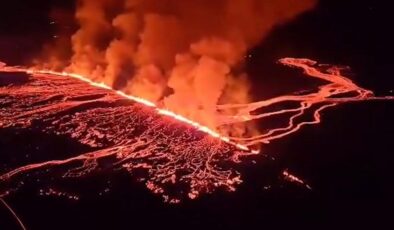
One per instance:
(185, 54)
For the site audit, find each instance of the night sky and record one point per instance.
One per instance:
(348, 159)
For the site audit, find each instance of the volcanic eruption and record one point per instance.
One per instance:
(188, 56)
(159, 87)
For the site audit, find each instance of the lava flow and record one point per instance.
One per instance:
(336, 90)
(135, 134)
(126, 133)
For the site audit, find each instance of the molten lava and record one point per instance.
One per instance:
(127, 134)
(135, 134)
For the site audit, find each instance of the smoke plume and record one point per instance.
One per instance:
(186, 55)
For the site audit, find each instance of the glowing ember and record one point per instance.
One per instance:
(289, 177)
(135, 134)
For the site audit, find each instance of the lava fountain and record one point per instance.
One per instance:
(132, 133)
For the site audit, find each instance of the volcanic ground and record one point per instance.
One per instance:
(113, 133)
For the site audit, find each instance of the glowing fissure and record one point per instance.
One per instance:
(165, 112)
(175, 152)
